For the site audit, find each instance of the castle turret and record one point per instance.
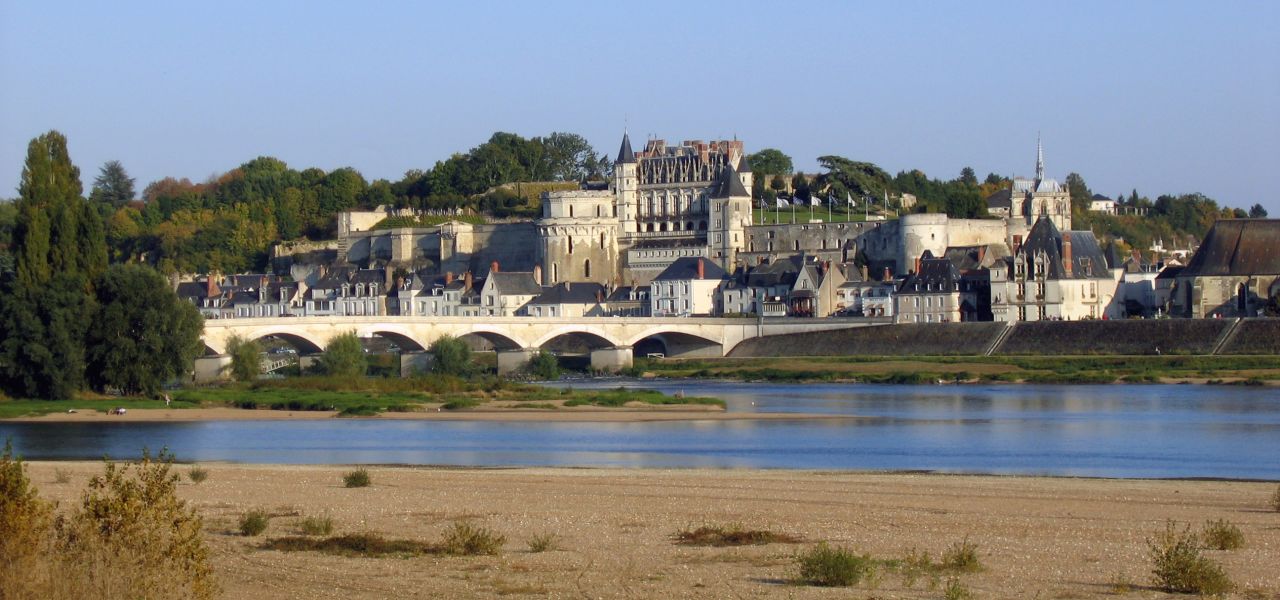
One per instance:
(745, 174)
(730, 215)
(627, 184)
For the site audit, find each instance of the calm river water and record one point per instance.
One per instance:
(1112, 431)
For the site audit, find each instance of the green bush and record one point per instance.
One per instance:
(451, 356)
(733, 534)
(465, 539)
(356, 478)
(317, 525)
(246, 361)
(1178, 565)
(826, 565)
(197, 474)
(254, 522)
(1222, 535)
(61, 476)
(544, 366)
(344, 357)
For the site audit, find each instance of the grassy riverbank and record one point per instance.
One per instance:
(366, 397)
(1241, 370)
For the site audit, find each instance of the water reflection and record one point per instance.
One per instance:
(1120, 431)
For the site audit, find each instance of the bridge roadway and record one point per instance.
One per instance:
(515, 339)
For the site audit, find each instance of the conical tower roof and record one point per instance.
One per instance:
(625, 155)
(730, 185)
(744, 166)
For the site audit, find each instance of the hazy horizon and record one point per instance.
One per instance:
(1162, 97)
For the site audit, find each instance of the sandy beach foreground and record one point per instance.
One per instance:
(1037, 537)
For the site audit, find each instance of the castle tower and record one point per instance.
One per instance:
(745, 174)
(730, 216)
(626, 183)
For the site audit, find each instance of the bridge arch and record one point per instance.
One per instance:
(304, 343)
(499, 340)
(402, 338)
(674, 343)
(593, 338)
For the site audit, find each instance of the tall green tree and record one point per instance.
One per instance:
(143, 334)
(770, 161)
(113, 186)
(451, 356)
(344, 357)
(1257, 212)
(42, 348)
(246, 358)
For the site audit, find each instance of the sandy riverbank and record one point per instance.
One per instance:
(1039, 537)
(576, 414)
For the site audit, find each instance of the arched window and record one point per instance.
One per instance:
(570, 244)
(586, 269)
(570, 210)
(649, 228)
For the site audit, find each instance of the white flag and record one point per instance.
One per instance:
(782, 202)
(849, 196)
(814, 201)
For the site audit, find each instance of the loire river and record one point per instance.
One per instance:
(1110, 431)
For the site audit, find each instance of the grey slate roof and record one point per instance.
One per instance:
(744, 165)
(1087, 258)
(514, 283)
(936, 274)
(687, 268)
(730, 185)
(582, 292)
(779, 272)
(1238, 247)
(625, 155)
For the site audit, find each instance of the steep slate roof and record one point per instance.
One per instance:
(565, 292)
(1086, 254)
(936, 275)
(625, 155)
(730, 185)
(973, 258)
(744, 165)
(1236, 247)
(687, 268)
(778, 272)
(1000, 199)
(1170, 272)
(623, 294)
(515, 283)
(193, 289)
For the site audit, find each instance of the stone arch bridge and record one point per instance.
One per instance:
(516, 339)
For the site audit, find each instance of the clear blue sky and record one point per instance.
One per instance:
(1167, 97)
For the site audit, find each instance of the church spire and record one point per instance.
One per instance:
(625, 155)
(1039, 159)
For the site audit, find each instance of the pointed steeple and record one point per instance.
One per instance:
(625, 155)
(743, 165)
(1039, 159)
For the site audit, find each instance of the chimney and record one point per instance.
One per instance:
(210, 288)
(448, 277)
(1067, 263)
(823, 266)
(599, 296)
(982, 255)
(866, 276)
(917, 265)
(1017, 243)
(388, 276)
(537, 274)
(466, 281)
(568, 285)
(887, 276)
(759, 260)
(493, 267)
(702, 270)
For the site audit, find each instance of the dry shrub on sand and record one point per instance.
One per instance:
(129, 537)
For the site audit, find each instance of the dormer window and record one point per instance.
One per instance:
(346, 290)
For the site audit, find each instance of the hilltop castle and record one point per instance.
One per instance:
(668, 202)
